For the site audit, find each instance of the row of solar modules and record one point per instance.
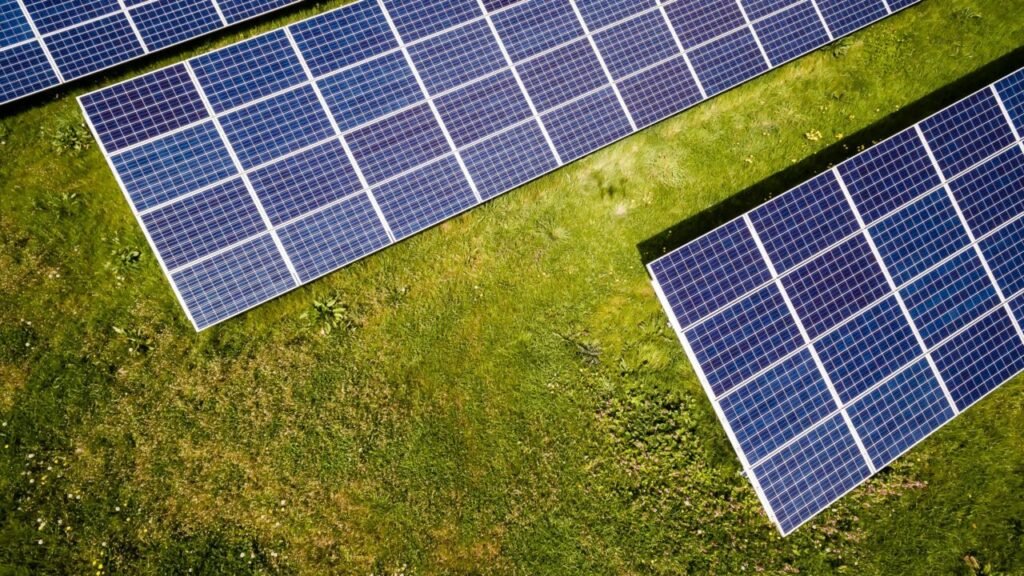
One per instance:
(263, 165)
(45, 43)
(839, 324)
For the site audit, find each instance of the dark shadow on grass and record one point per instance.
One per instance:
(746, 200)
(137, 66)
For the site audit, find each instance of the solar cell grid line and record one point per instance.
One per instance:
(604, 65)
(750, 26)
(134, 27)
(682, 50)
(909, 409)
(821, 17)
(46, 51)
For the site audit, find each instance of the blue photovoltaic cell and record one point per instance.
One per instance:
(1004, 253)
(900, 4)
(94, 46)
(585, 125)
(992, 193)
(845, 16)
(600, 13)
(899, 413)
(304, 182)
(659, 92)
(167, 22)
(24, 69)
(14, 27)
(271, 128)
(1011, 93)
(710, 272)
(233, 281)
(248, 70)
(199, 225)
(862, 352)
(561, 75)
(967, 132)
(790, 33)
(950, 297)
(482, 108)
(424, 197)
(359, 94)
(238, 10)
(728, 61)
(326, 240)
(342, 37)
(508, 159)
(697, 22)
(835, 285)
(456, 57)
(744, 339)
(1017, 305)
(636, 44)
(756, 9)
(778, 405)
(981, 358)
(535, 26)
(128, 113)
(50, 16)
(889, 175)
(804, 221)
(166, 168)
(919, 236)
(808, 475)
(398, 143)
(415, 19)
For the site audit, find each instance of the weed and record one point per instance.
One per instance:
(966, 15)
(69, 136)
(330, 314)
(841, 47)
(138, 341)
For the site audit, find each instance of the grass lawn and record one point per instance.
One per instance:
(500, 394)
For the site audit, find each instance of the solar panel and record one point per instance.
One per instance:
(44, 43)
(841, 323)
(419, 111)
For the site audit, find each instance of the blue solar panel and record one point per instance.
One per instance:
(1004, 252)
(424, 197)
(841, 245)
(756, 9)
(426, 109)
(509, 159)
(94, 46)
(744, 339)
(247, 71)
(899, 413)
(726, 62)
(806, 476)
(24, 69)
(234, 280)
(304, 182)
(979, 359)
(790, 33)
(238, 10)
(1011, 93)
(950, 297)
(919, 236)
(993, 193)
(967, 132)
(836, 285)
(1017, 305)
(456, 57)
(778, 405)
(804, 221)
(398, 143)
(889, 175)
(161, 170)
(371, 90)
(636, 44)
(868, 348)
(333, 237)
(585, 125)
(50, 16)
(845, 16)
(483, 108)
(204, 223)
(271, 128)
(14, 27)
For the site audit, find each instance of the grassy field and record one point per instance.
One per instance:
(499, 395)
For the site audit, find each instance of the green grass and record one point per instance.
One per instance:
(500, 394)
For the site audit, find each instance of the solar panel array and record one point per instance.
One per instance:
(266, 164)
(44, 43)
(841, 323)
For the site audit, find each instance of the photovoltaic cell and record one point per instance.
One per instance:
(389, 116)
(790, 33)
(845, 16)
(94, 46)
(50, 16)
(14, 28)
(24, 69)
(907, 280)
(1011, 93)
